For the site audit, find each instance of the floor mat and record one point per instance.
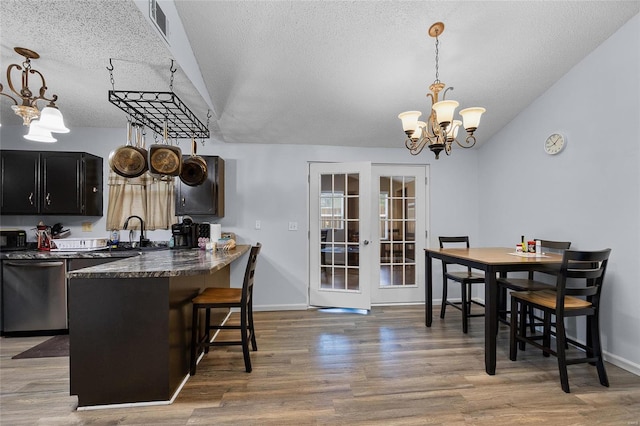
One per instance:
(54, 347)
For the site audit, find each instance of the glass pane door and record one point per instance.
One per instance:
(340, 206)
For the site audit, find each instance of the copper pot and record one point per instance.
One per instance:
(194, 168)
(128, 161)
(165, 159)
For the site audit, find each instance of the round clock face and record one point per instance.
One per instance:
(554, 144)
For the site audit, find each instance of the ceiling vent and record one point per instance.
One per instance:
(159, 18)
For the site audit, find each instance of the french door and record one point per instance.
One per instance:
(367, 234)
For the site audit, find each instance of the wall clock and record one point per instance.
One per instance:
(554, 143)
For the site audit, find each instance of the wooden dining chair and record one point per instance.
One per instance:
(466, 278)
(586, 270)
(529, 283)
(214, 297)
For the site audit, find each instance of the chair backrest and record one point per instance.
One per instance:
(586, 268)
(453, 242)
(247, 284)
(554, 246)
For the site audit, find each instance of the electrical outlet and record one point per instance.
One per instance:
(258, 224)
(87, 226)
(293, 226)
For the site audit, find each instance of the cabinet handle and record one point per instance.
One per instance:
(31, 198)
(48, 199)
(95, 189)
(184, 201)
(35, 265)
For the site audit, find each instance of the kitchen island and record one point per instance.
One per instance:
(130, 323)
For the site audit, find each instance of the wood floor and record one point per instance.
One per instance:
(316, 367)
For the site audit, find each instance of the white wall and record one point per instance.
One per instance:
(269, 183)
(588, 194)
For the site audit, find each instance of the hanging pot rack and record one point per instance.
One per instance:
(154, 109)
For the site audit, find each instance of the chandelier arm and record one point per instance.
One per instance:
(415, 147)
(43, 89)
(10, 82)
(444, 94)
(470, 141)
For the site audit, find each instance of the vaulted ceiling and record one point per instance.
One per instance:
(306, 72)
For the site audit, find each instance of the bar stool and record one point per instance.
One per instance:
(212, 298)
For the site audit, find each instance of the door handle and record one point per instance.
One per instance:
(366, 242)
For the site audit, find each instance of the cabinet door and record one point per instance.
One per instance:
(61, 183)
(206, 199)
(92, 185)
(20, 176)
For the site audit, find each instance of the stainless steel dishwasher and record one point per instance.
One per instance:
(34, 296)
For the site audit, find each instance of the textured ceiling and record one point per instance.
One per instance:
(309, 72)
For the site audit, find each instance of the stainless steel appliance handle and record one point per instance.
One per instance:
(37, 265)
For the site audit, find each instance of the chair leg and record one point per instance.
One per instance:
(522, 324)
(532, 321)
(207, 329)
(245, 341)
(597, 349)
(444, 298)
(252, 332)
(194, 341)
(546, 333)
(562, 354)
(513, 347)
(465, 308)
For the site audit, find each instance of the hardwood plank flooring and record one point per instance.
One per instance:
(314, 367)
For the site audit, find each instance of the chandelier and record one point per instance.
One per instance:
(440, 130)
(41, 123)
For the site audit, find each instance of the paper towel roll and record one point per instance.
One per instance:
(216, 232)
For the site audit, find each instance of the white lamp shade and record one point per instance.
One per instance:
(421, 125)
(51, 120)
(38, 134)
(452, 129)
(445, 110)
(409, 120)
(471, 117)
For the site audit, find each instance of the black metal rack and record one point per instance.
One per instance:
(152, 109)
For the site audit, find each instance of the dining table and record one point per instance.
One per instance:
(492, 261)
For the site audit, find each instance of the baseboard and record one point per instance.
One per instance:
(293, 307)
(625, 364)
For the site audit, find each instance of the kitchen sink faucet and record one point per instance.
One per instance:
(143, 241)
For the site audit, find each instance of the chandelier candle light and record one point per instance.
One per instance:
(440, 129)
(50, 118)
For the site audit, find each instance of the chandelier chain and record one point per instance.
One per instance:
(437, 64)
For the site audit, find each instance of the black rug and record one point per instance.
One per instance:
(54, 347)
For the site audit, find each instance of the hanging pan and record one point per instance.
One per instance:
(165, 159)
(126, 160)
(140, 146)
(194, 168)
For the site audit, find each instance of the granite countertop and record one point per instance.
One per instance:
(163, 263)
(51, 255)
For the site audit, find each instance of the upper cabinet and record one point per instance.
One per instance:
(51, 182)
(206, 199)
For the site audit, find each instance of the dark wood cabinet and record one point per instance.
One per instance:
(51, 183)
(206, 199)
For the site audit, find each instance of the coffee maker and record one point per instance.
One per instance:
(185, 234)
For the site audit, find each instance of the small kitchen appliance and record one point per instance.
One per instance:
(185, 234)
(43, 232)
(13, 239)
